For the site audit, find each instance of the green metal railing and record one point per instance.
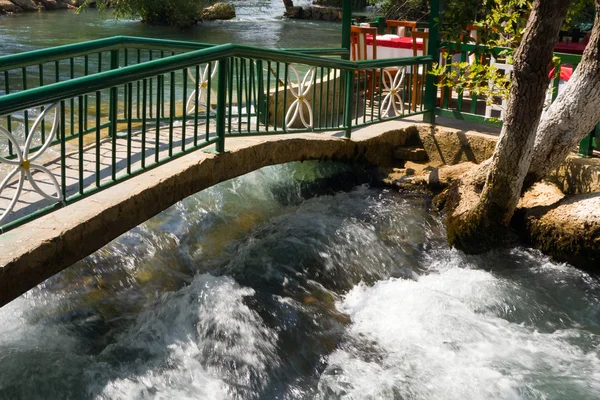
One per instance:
(77, 119)
(460, 104)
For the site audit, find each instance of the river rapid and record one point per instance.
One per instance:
(297, 282)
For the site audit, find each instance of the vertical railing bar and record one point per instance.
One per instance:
(460, 91)
(252, 97)
(328, 118)
(209, 70)
(249, 83)
(144, 104)
(359, 77)
(158, 101)
(255, 87)
(268, 96)
(314, 99)
(130, 106)
(25, 112)
(150, 84)
(43, 127)
(366, 91)
(340, 120)
(72, 75)
(162, 88)
(196, 100)
(379, 93)
(276, 105)
(98, 124)
(473, 96)
(240, 88)
(183, 105)
(8, 117)
(377, 86)
(221, 98)
(137, 92)
(285, 90)
(63, 151)
(334, 105)
(321, 100)
(85, 101)
(171, 110)
(80, 144)
(349, 81)
(230, 105)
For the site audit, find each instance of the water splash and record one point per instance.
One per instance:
(294, 282)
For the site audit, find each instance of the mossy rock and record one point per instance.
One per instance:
(218, 11)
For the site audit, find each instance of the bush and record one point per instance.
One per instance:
(182, 13)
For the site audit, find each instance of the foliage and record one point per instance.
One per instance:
(182, 13)
(407, 10)
(499, 24)
(581, 13)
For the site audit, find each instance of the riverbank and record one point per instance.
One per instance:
(559, 216)
(18, 6)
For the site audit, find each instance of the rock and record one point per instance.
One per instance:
(294, 12)
(218, 11)
(410, 154)
(28, 5)
(9, 7)
(568, 230)
(54, 5)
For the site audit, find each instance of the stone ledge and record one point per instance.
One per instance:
(568, 230)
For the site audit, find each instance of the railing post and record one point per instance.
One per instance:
(381, 25)
(221, 104)
(346, 23)
(586, 146)
(435, 24)
(348, 104)
(113, 96)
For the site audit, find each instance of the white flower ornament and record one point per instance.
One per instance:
(202, 88)
(297, 107)
(392, 97)
(24, 162)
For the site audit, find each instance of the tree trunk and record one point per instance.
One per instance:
(478, 227)
(573, 115)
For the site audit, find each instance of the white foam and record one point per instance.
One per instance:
(437, 339)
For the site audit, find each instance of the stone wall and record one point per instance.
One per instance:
(317, 13)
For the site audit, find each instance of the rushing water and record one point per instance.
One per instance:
(292, 283)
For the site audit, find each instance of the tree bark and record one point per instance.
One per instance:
(573, 115)
(478, 227)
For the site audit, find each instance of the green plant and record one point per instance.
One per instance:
(500, 25)
(182, 13)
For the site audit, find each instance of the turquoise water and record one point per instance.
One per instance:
(258, 23)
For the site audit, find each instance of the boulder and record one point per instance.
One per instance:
(54, 4)
(28, 5)
(218, 11)
(9, 7)
(74, 3)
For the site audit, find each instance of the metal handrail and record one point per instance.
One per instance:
(61, 90)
